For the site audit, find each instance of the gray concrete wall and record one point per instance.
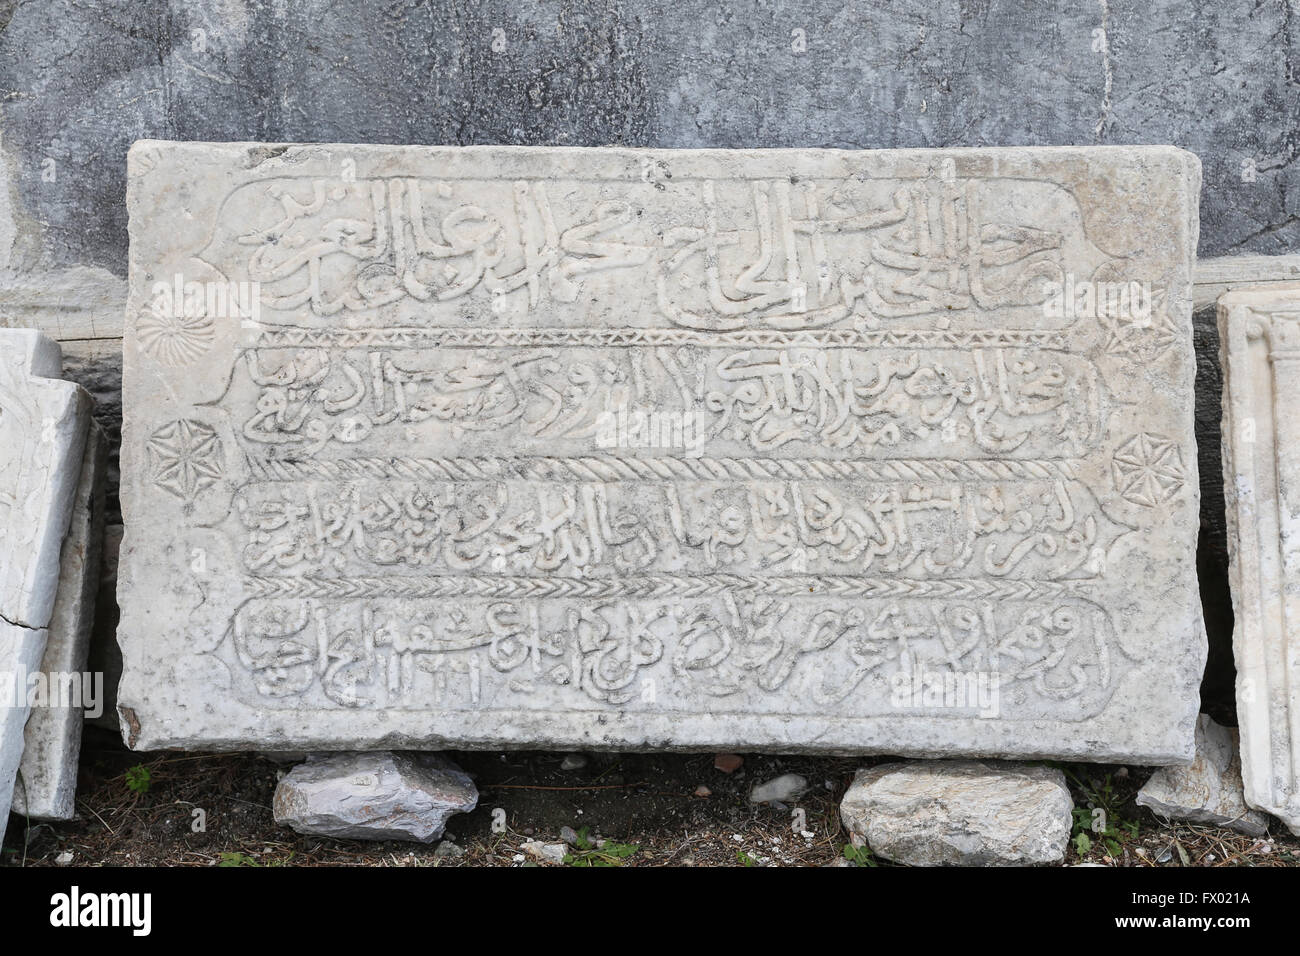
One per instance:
(81, 80)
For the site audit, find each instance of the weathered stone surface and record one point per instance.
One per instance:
(47, 777)
(1209, 791)
(896, 494)
(1259, 334)
(43, 424)
(374, 796)
(960, 812)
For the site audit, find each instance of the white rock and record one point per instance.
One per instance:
(546, 852)
(1259, 339)
(43, 424)
(960, 812)
(782, 789)
(897, 494)
(47, 776)
(374, 796)
(1209, 791)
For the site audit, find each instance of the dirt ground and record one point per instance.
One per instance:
(648, 809)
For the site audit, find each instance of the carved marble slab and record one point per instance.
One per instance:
(800, 450)
(43, 424)
(1259, 334)
(47, 783)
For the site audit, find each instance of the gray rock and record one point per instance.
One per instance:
(446, 850)
(573, 762)
(1210, 790)
(960, 812)
(374, 796)
(789, 786)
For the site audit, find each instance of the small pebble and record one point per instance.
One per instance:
(728, 763)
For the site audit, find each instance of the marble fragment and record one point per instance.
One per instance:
(43, 426)
(1209, 791)
(1259, 336)
(374, 796)
(960, 813)
(607, 449)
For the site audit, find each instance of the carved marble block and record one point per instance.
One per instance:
(47, 783)
(800, 450)
(43, 425)
(1259, 335)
